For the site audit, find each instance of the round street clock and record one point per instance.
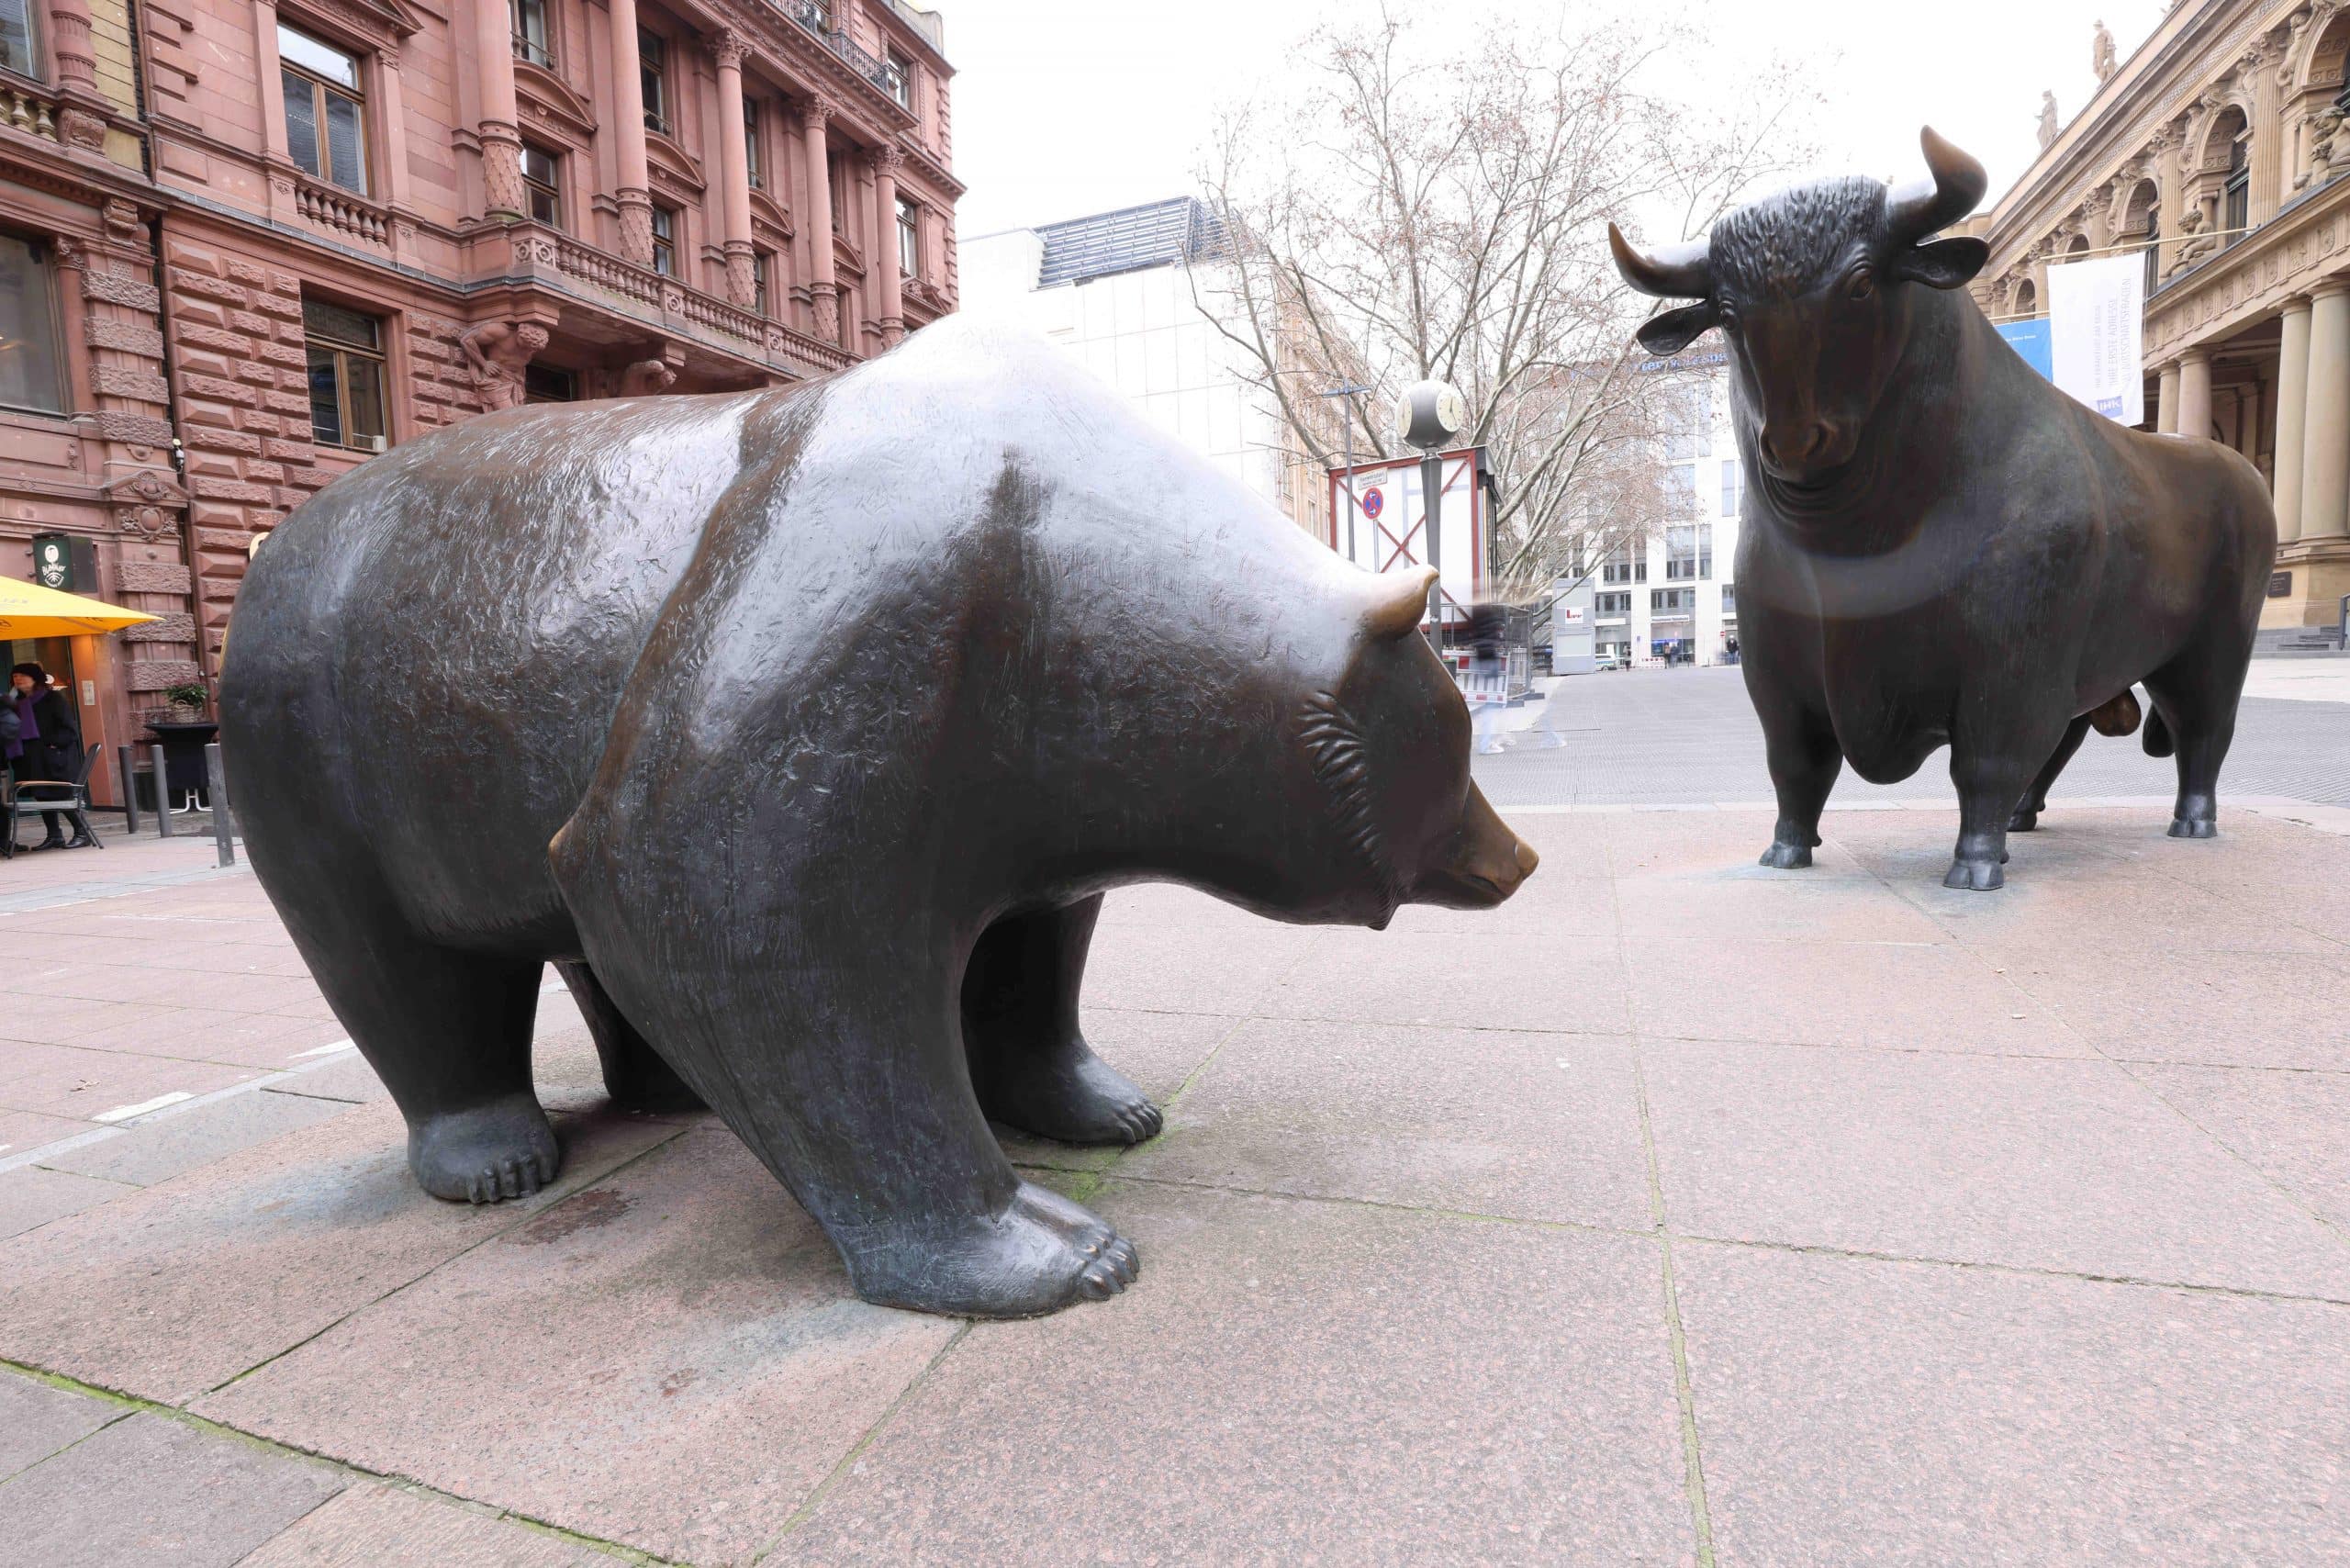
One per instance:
(1429, 415)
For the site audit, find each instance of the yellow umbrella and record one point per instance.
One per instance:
(29, 610)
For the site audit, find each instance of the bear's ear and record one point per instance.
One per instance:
(1402, 600)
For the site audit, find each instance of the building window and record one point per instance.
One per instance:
(754, 159)
(760, 262)
(19, 49)
(898, 76)
(1622, 567)
(531, 39)
(817, 14)
(545, 384)
(1689, 553)
(652, 70)
(840, 191)
(29, 374)
(2154, 253)
(543, 183)
(1681, 489)
(1730, 599)
(1689, 422)
(346, 351)
(665, 241)
(909, 237)
(1671, 602)
(1733, 486)
(325, 113)
(2235, 206)
(1611, 604)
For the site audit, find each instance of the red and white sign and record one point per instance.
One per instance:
(1384, 526)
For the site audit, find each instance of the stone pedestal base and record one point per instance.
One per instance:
(2319, 570)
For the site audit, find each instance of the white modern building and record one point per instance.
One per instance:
(1675, 600)
(1117, 290)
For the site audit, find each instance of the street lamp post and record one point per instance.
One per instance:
(1429, 416)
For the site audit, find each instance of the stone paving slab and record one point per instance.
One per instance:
(31, 1197)
(671, 1358)
(1299, 1382)
(152, 1490)
(2061, 1165)
(2294, 1127)
(164, 1147)
(156, 1293)
(1528, 1125)
(1908, 1413)
(370, 1526)
(38, 1420)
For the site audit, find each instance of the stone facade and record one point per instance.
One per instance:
(2214, 147)
(541, 198)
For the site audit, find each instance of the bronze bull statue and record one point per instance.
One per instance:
(804, 731)
(1938, 547)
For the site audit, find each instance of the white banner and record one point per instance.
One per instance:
(2097, 328)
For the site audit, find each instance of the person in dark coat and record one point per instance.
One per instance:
(47, 745)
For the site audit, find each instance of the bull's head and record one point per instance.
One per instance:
(1806, 287)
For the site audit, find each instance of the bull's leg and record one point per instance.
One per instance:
(447, 1030)
(1030, 1064)
(635, 1074)
(1800, 747)
(2197, 694)
(1992, 762)
(2035, 800)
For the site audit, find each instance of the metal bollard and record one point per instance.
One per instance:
(130, 789)
(224, 826)
(162, 793)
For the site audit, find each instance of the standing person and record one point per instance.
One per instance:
(48, 744)
(1488, 628)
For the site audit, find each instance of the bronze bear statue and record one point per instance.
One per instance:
(804, 730)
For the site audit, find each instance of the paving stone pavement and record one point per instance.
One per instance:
(1679, 1212)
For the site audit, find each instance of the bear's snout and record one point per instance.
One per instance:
(1482, 864)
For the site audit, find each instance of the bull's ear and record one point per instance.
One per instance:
(1668, 334)
(1945, 263)
(1402, 600)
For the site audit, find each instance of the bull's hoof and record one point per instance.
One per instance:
(1042, 1253)
(1975, 876)
(2194, 827)
(2024, 821)
(1785, 856)
(504, 1150)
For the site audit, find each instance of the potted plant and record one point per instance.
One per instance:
(188, 701)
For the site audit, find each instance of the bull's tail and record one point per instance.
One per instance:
(2157, 740)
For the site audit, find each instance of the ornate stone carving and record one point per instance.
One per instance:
(146, 504)
(636, 224)
(2047, 118)
(2325, 131)
(728, 49)
(2102, 59)
(647, 377)
(890, 157)
(824, 303)
(816, 110)
(503, 198)
(498, 352)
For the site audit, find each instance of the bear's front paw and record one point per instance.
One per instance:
(1043, 1253)
(503, 1149)
(1069, 1096)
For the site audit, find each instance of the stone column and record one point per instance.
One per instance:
(633, 196)
(273, 88)
(2265, 191)
(823, 284)
(2194, 394)
(735, 170)
(2166, 401)
(501, 134)
(81, 107)
(391, 102)
(881, 263)
(2325, 413)
(2292, 404)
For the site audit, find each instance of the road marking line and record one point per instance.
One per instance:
(325, 1051)
(124, 1113)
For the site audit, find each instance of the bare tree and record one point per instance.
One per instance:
(1419, 213)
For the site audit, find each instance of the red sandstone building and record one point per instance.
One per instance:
(245, 245)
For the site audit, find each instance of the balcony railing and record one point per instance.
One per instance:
(535, 54)
(669, 297)
(816, 18)
(339, 213)
(22, 111)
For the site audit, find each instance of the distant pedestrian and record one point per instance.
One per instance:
(1488, 633)
(47, 744)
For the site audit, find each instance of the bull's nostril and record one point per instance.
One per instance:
(1527, 858)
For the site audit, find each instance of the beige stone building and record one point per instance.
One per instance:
(2217, 150)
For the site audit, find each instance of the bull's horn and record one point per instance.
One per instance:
(1403, 600)
(1677, 272)
(1929, 206)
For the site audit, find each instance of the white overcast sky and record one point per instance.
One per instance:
(1065, 108)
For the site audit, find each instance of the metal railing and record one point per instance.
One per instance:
(817, 19)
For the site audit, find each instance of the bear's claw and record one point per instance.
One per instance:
(486, 1154)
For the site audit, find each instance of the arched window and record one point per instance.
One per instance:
(2235, 202)
(2026, 300)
